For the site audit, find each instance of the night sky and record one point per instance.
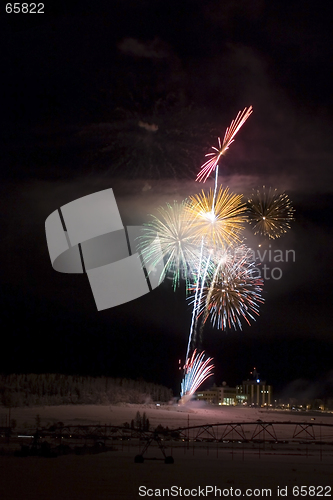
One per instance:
(77, 82)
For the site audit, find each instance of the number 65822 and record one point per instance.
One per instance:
(24, 8)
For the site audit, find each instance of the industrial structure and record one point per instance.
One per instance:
(252, 392)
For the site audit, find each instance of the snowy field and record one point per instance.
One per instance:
(172, 416)
(257, 473)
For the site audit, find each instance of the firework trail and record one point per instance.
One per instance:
(217, 218)
(170, 238)
(270, 213)
(208, 261)
(229, 135)
(212, 214)
(201, 280)
(234, 293)
(215, 188)
(212, 261)
(197, 370)
(195, 304)
(220, 224)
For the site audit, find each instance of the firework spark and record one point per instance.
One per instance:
(195, 301)
(270, 213)
(235, 291)
(219, 220)
(197, 370)
(170, 237)
(229, 135)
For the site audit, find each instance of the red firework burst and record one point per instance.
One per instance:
(229, 135)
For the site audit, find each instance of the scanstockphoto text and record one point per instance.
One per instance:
(214, 491)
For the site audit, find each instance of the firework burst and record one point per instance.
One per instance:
(219, 220)
(270, 213)
(156, 141)
(170, 237)
(235, 291)
(223, 146)
(197, 370)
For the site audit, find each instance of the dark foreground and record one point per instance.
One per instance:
(114, 475)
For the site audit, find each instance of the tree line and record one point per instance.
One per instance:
(57, 389)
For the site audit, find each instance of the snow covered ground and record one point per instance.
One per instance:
(114, 475)
(172, 416)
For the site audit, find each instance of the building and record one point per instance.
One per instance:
(254, 392)
(223, 395)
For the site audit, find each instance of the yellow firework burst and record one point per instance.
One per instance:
(218, 219)
(270, 213)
